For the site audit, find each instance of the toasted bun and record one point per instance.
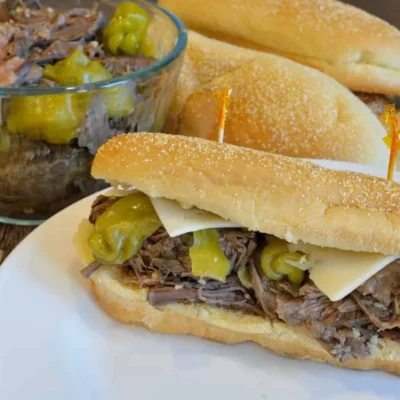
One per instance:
(286, 197)
(359, 50)
(127, 303)
(277, 105)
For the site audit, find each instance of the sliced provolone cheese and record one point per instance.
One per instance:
(178, 220)
(338, 272)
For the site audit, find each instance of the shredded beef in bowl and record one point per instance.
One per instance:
(70, 79)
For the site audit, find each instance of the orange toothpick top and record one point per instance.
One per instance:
(392, 125)
(222, 113)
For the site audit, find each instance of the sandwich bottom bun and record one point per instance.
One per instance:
(128, 304)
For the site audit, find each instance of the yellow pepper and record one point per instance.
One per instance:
(126, 29)
(53, 118)
(146, 47)
(208, 259)
(275, 261)
(119, 100)
(76, 69)
(121, 230)
(244, 277)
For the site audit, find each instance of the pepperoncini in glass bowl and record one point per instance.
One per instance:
(80, 96)
(53, 118)
(78, 69)
(127, 29)
(121, 230)
(208, 259)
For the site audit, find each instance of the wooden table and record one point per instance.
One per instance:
(389, 10)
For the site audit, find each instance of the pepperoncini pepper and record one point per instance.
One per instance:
(208, 259)
(244, 277)
(127, 29)
(78, 69)
(54, 118)
(275, 262)
(121, 230)
(146, 47)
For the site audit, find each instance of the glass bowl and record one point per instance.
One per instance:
(39, 178)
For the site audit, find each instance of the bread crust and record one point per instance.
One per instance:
(128, 304)
(358, 49)
(276, 105)
(286, 197)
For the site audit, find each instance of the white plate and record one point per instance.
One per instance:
(55, 343)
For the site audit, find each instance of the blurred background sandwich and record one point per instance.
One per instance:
(277, 105)
(356, 48)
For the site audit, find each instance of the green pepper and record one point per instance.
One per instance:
(121, 230)
(244, 277)
(126, 29)
(270, 251)
(54, 118)
(146, 47)
(296, 276)
(76, 69)
(119, 100)
(208, 259)
(274, 263)
(280, 265)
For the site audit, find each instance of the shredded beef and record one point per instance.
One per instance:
(290, 309)
(238, 246)
(55, 51)
(382, 285)
(266, 299)
(165, 261)
(45, 35)
(346, 328)
(4, 14)
(165, 295)
(91, 268)
(124, 65)
(55, 175)
(392, 334)
(28, 74)
(379, 297)
(82, 27)
(100, 205)
(95, 130)
(333, 323)
(381, 316)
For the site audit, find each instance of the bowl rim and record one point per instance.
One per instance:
(141, 74)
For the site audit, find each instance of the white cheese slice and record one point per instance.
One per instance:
(178, 220)
(338, 272)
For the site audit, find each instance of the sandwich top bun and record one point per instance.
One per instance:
(359, 50)
(288, 198)
(277, 105)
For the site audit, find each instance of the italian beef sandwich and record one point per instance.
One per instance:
(234, 244)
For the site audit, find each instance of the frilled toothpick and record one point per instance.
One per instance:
(222, 113)
(392, 139)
